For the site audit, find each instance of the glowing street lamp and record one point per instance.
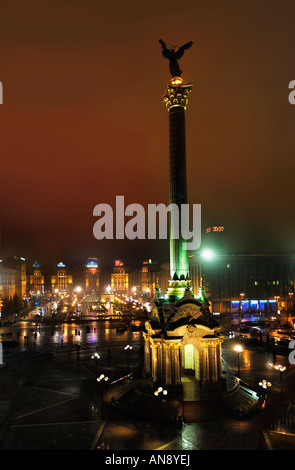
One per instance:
(159, 393)
(281, 369)
(238, 348)
(264, 384)
(102, 379)
(128, 349)
(95, 356)
(207, 254)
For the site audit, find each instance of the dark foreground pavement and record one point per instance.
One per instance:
(52, 402)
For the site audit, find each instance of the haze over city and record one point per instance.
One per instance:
(158, 343)
(83, 121)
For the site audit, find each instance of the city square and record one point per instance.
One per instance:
(49, 394)
(147, 335)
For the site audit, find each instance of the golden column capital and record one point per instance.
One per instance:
(155, 344)
(212, 341)
(176, 93)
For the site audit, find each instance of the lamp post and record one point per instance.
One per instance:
(159, 393)
(238, 349)
(96, 356)
(128, 349)
(102, 379)
(264, 384)
(281, 369)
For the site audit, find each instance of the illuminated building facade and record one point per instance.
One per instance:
(36, 281)
(14, 278)
(119, 278)
(150, 278)
(246, 282)
(12, 283)
(7, 282)
(91, 276)
(61, 282)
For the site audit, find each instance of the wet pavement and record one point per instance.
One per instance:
(50, 400)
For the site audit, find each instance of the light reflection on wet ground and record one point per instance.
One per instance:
(91, 334)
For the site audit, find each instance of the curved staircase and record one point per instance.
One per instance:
(242, 401)
(118, 389)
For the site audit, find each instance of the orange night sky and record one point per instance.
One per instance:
(83, 121)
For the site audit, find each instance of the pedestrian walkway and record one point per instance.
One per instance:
(279, 432)
(47, 404)
(123, 433)
(53, 402)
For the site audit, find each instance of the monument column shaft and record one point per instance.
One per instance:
(177, 187)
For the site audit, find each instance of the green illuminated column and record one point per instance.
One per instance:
(176, 102)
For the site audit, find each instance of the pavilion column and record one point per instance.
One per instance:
(213, 363)
(177, 378)
(155, 371)
(219, 360)
(161, 360)
(206, 375)
(167, 349)
(147, 353)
